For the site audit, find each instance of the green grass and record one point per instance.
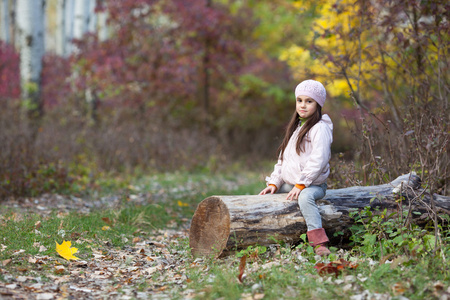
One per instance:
(173, 200)
(278, 273)
(294, 279)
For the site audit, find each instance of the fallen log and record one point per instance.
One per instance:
(226, 223)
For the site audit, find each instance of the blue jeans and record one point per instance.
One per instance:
(307, 203)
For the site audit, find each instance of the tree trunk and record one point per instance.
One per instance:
(68, 16)
(61, 28)
(30, 19)
(92, 17)
(81, 19)
(102, 22)
(226, 223)
(5, 21)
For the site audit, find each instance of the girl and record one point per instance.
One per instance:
(303, 168)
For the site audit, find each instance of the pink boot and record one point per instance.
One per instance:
(318, 239)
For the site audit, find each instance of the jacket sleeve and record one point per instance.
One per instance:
(321, 139)
(275, 177)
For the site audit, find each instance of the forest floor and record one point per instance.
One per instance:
(109, 272)
(135, 245)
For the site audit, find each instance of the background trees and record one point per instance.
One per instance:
(174, 84)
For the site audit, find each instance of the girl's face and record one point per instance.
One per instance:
(306, 106)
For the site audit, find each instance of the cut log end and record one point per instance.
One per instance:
(210, 227)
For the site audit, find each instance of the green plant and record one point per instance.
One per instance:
(380, 233)
(252, 251)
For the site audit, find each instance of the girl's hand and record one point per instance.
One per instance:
(270, 189)
(293, 194)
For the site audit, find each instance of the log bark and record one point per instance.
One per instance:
(225, 223)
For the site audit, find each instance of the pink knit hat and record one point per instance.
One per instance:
(313, 89)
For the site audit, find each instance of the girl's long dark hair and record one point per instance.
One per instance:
(293, 124)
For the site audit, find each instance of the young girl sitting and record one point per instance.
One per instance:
(303, 168)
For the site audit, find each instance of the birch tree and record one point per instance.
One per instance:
(5, 21)
(61, 28)
(68, 16)
(102, 29)
(30, 21)
(81, 18)
(92, 16)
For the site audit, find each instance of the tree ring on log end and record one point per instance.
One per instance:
(210, 228)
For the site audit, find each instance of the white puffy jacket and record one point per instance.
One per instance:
(312, 166)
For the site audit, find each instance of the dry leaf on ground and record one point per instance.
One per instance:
(66, 251)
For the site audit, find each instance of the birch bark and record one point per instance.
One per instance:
(5, 35)
(31, 30)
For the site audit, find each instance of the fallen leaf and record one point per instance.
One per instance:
(107, 221)
(6, 261)
(399, 288)
(18, 252)
(242, 268)
(37, 225)
(136, 240)
(151, 270)
(347, 287)
(80, 289)
(45, 296)
(104, 228)
(59, 269)
(324, 269)
(334, 267)
(439, 286)
(66, 251)
(11, 286)
(81, 264)
(42, 248)
(182, 204)
(75, 235)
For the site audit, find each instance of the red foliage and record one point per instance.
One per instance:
(56, 72)
(158, 49)
(9, 72)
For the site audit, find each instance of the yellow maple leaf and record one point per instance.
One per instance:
(182, 204)
(66, 251)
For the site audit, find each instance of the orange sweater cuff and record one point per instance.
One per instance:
(300, 186)
(276, 189)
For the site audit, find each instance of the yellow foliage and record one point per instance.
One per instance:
(337, 22)
(66, 251)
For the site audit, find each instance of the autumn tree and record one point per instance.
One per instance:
(390, 58)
